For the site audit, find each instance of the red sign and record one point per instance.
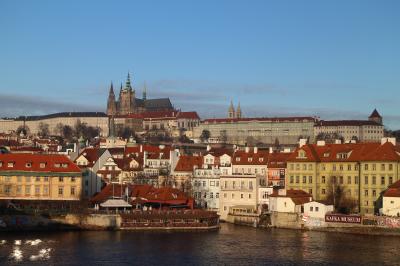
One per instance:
(340, 218)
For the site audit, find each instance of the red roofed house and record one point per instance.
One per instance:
(183, 172)
(391, 200)
(291, 200)
(38, 177)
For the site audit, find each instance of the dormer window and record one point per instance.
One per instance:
(301, 154)
(64, 165)
(57, 165)
(42, 165)
(326, 154)
(28, 165)
(10, 164)
(341, 156)
(250, 159)
(261, 159)
(237, 159)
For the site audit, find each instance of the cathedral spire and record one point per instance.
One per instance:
(128, 83)
(111, 89)
(238, 111)
(111, 104)
(231, 111)
(144, 91)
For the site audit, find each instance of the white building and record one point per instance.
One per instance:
(291, 200)
(206, 187)
(391, 200)
(240, 191)
(315, 209)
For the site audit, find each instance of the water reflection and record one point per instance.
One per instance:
(232, 245)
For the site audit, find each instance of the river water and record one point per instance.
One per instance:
(232, 245)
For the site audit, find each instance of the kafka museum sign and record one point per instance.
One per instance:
(338, 218)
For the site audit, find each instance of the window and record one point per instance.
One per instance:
(366, 180)
(291, 179)
(72, 190)
(241, 196)
(211, 195)
(334, 167)
(341, 179)
(37, 179)
(37, 190)
(297, 179)
(217, 195)
(373, 167)
(366, 166)
(310, 167)
(45, 190)
(390, 180)
(10, 164)
(73, 179)
(233, 196)
(311, 208)
(383, 180)
(310, 179)
(204, 183)
(356, 180)
(316, 209)
(224, 195)
(249, 196)
(323, 179)
(366, 192)
(323, 191)
(304, 179)
(304, 167)
(349, 180)
(390, 167)
(19, 189)
(383, 167)
(19, 178)
(341, 167)
(205, 195)
(374, 193)
(349, 167)
(27, 190)
(310, 191)
(60, 191)
(250, 184)
(28, 165)
(374, 180)
(60, 179)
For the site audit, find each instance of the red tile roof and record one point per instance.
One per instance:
(298, 196)
(392, 192)
(91, 154)
(188, 115)
(324, 123)
(267, 119)
(278, 159)
(187, 163)
(21, 161)
(352, 153)
(250, 158)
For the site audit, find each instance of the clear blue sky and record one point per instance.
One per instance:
(335, 59)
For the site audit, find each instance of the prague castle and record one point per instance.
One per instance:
(127, 102)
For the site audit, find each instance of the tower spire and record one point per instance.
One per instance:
(231, 111)
(238, 111)
(144, 91)
(128, 82)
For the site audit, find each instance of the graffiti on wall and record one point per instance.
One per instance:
(389, 222)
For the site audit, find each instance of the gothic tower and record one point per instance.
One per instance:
(238, 111)
(231, 111)
(127, 98)
(111, 104)
(144, 92)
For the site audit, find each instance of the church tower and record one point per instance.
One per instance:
(127, 98)
(111, 104)
(231, 111)
(238, 111)
(376, 117)
(144, 92)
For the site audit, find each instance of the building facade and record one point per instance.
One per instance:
(37, 177)
(362, 171)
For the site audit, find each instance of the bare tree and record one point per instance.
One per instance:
(44, 130)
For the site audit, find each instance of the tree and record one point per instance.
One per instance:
(223, 136)
(59, 129)
(44, 130)
(67, 133)
(125, 132)
(340, 200)
(24, 129)
(205, 135)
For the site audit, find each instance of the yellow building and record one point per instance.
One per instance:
(39, 177)
(362, 171)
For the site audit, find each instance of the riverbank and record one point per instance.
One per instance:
(194, 220)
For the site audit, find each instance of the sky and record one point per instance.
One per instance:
(333, 59)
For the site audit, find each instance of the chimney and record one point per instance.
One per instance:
(247, 149)
(208, 147)
(271, 150)
(302, 142)
(320, 143)
(141, 148)
(255, 149)
(338, 141)
(391, 140)
(161, 147)
(282, 192)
